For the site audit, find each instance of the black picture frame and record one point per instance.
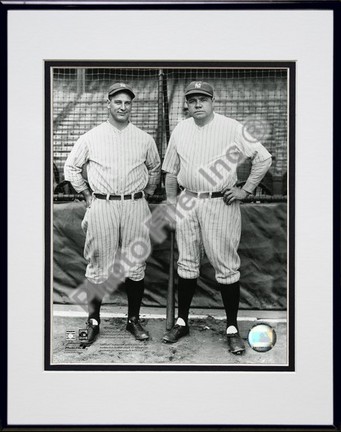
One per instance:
(302, 5)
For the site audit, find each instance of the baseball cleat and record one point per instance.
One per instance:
(235, 343)
(135, 328)
(175, 333)
(93, 332)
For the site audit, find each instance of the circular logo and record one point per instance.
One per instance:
(255, 128)
(262, 337)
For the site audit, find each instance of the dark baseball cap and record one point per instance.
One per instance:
(118, 87)
(199, 87)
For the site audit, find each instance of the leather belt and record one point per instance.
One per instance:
(134, 196)
(204, 194)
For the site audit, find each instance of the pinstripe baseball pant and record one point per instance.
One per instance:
(215, 227)
(110, 224)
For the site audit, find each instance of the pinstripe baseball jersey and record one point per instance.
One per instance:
(119, 161)
(206, 158)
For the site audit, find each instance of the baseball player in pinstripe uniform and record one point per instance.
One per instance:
(202, 157)
(123, 167)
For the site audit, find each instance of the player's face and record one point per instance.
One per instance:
(120, 107)
(200, 107)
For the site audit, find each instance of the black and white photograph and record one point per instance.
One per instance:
(170, 242)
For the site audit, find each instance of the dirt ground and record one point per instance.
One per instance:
(206, 343)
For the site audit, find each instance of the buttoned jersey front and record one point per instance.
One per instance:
(205, 158)
(118, 161)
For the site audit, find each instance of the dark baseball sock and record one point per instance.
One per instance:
(135, 291)
(95, 294)
(231, 295)
(186, 289)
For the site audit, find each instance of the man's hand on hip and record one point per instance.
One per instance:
(89, 201)
(147, 195)
(88, 197)
(234, 194)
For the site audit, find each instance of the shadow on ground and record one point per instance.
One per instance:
(206, 344)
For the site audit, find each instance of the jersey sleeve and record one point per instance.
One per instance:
(153, 164)
(171, 162)
(261, 160)
(258, 171)
(171, 186)
(78, 156)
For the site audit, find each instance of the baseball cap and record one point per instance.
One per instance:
(199, 87)
(118, 87)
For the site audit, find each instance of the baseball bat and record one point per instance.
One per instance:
(170, 311)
